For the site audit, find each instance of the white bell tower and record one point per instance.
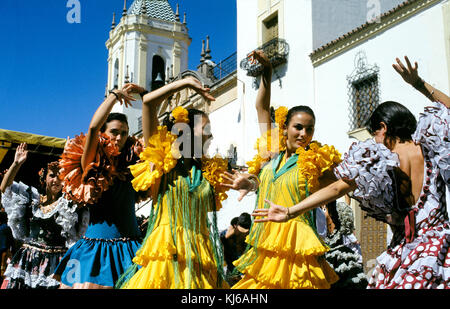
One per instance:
(148, 46)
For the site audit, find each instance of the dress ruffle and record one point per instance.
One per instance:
(32, 268)
(86, 186)
(432, 132)
(368, 164)
(158, 158)
(16, 199)
(274, 270)
(213, 168)
(299, 239)
(165, 258)
(423, 263)
(103, 261)
(314, 161)
(296, 262)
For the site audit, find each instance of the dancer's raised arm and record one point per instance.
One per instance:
(19, 159)
(99, 119)
(152, 100)
(264, 92)
(410, 75)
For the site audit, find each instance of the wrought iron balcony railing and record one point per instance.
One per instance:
(277, 50)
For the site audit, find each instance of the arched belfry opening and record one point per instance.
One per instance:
(158, 72)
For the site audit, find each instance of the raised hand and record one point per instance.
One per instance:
(197, 86)
(124, 95)
(261, 57)
(409, 73)
(21, 154)
(239, 182)
(275, 213)
(133, 88)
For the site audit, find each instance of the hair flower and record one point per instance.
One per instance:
(180, 115)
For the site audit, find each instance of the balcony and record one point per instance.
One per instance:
(277, 51)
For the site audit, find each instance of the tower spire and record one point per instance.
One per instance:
(124, 12)
(177, 14)
(202, 59)
(113, 25)
(208, 51)
(184, 18)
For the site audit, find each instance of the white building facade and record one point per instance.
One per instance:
(338, 60)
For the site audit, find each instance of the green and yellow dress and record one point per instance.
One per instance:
(288, 255)
(181, 249)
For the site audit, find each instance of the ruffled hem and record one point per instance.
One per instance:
(368, 164)
(292, 237)
(161, 274)
(32, 267)
(433, 133)
(100, 262)
(425, 262)
(272, 270)
(86, 186)
(20, 279)
(198, 249)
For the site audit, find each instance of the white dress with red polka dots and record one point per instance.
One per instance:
(420, 259)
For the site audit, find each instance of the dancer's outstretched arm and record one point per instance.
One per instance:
(410, 75)
(277, 213)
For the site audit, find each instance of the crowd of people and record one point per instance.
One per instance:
(79, 228)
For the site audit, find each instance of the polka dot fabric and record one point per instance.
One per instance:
(423, 261)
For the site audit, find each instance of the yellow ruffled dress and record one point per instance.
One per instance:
(181, 249)
(288, 255)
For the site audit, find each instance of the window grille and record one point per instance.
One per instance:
(364, 92)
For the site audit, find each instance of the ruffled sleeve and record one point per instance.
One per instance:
(213, 168)
(86, 186)
(271, 143)
(368, 164)
(158, 158)
(68, 219)
(433, 134)
(315, 161)
(18, 201)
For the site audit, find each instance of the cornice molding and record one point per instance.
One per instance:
(364, 32)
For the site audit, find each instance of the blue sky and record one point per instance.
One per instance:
(53, 73)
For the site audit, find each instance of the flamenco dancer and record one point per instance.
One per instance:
(96, 175)
(182, 247)
(399, 178)
(46, 223)
(289, 166)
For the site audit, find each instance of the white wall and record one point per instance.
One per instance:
(428, 49)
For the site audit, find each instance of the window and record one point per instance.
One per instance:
(364, 100)
(364, 92)
(270, 28)
(116, 74)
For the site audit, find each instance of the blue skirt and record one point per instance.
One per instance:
(100, 257)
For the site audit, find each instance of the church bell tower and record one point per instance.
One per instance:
(147, 47)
